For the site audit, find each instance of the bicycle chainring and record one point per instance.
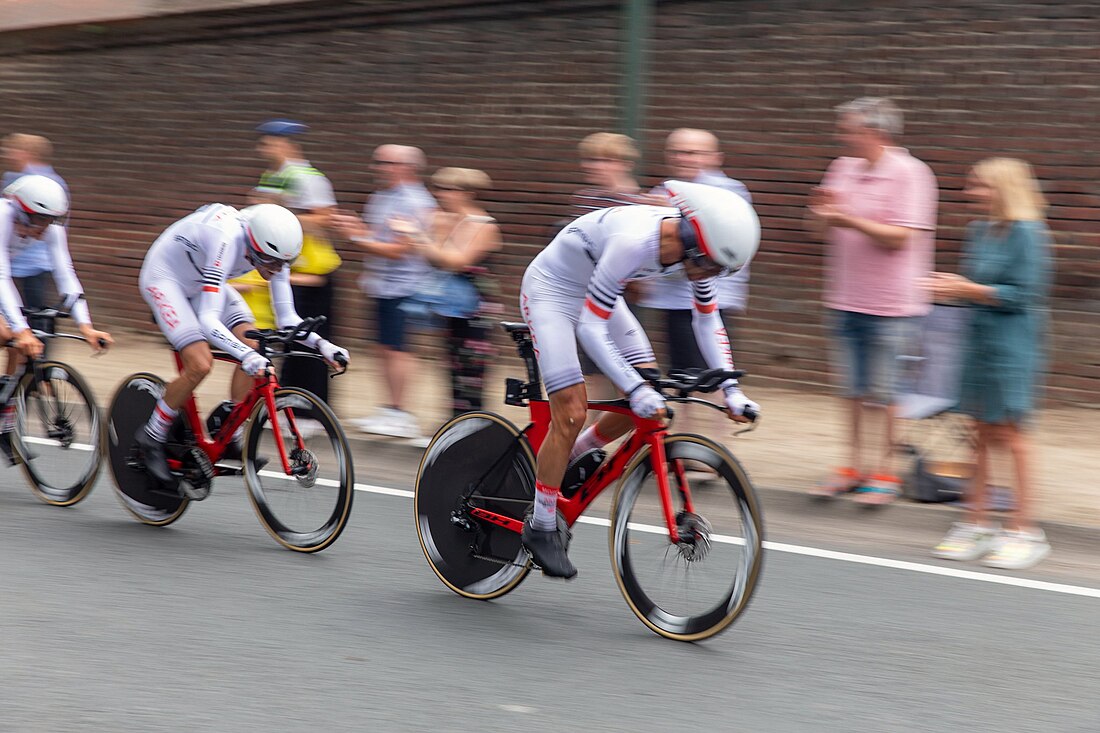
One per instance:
(197, 476)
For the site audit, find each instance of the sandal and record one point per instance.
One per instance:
(841, 481)
(879, 489)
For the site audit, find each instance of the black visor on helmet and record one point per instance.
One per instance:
(34, 219)
(690, 241)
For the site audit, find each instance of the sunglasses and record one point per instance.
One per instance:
(386, 162)
(35, 220)
(687, 152)
(439, 187)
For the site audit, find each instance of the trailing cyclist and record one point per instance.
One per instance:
(573, 291)
(183, 279)
(29, 213)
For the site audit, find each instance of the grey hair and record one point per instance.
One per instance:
(875, 113)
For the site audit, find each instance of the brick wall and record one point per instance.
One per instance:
(152, 118)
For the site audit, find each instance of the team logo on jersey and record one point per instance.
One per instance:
(168, 315)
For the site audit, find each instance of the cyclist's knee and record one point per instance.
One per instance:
(569, 408)
(239, 331)
(197, 362)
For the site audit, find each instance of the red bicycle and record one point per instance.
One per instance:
(686, 530)
(304, 502)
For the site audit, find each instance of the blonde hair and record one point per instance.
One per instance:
(466, 179)
(1017, 196)
(39, 147)
(609, 145)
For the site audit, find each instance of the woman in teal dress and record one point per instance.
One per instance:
(1005, 281)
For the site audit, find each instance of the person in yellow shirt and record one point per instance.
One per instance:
(292, 182)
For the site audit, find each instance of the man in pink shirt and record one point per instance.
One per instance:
(876, 208)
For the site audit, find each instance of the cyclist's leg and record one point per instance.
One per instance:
(178, 322)
(552, 319)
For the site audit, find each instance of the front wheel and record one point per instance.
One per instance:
(307, 509)
(695, 588)
(476, 460)
(58, 434)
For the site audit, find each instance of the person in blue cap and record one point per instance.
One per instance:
(292, 182)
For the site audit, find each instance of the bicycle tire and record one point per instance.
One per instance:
(273, 502)
(51, 433)
(634, 540)
(460, 454)
(130, 408)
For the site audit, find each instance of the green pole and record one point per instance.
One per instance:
(637, 28)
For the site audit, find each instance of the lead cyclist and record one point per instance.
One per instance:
(183, 279)
(573, 291)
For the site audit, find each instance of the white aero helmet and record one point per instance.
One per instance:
(38, 196)
(274, 233)
(716, 223)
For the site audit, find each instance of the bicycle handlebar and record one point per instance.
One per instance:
(286, 335)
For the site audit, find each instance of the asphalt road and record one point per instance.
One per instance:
(209, 625)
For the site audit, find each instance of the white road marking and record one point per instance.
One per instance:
(882, 562)
(55, 443)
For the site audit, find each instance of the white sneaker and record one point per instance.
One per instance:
(372, 423)
(1018, 550)
(966, 542)
(392, 422)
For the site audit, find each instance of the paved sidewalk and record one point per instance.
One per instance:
(798, 440)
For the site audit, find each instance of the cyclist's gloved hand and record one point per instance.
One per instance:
(646, 401)
(739, 405)
(254, 365)
(330, 351)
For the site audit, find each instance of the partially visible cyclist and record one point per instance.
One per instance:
(573, 291)
(29, 213)
(183, 279)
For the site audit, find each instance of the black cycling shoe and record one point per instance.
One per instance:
(6, 448)
(548, 551)
(580, 470)
(154, 457)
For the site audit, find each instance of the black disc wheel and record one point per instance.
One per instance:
(304, 510)
(141, 496)
(58, 434)
(694, 588)
(476, 460)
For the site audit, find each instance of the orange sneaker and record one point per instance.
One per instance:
(879, 489)
(840, 481)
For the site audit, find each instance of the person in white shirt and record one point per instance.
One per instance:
(183, 280)
(573, 291)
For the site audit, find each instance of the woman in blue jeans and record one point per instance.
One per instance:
(1005, 280)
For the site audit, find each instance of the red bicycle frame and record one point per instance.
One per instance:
(216, 445)
(646, 432)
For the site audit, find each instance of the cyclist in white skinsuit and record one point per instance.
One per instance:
(27, 215)
(573, 291)
(183, 279)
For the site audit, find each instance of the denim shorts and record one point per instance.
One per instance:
(391, 323)
(866, 351)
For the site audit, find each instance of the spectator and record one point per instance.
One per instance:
(692, 155)
(876, 209)
(608, 160)
(392, 272)
(31, 269)
(292, 182)
(1006, 276)
(462, 236)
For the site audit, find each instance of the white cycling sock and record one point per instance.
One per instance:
(588, 440)
(160, 421)
(545, 517)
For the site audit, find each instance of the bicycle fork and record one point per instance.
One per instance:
(659, 461)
